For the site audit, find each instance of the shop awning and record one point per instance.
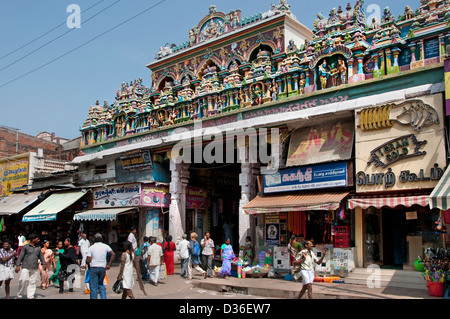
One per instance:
(50, 207)
(440, 196)
(295, 202)
(102, 214)
(390, 201)
(15, 203)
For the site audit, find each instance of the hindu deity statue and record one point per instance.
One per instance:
(324, 74)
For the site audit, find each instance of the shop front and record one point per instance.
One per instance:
(400, 157)
(52, 219)
(124, 206)
(308, 202)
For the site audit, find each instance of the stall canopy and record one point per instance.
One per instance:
(295, 202)
(440, 196)
(15, 203)
(389, 201)
(51, 206)
(103, 214)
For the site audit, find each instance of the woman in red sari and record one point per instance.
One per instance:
(169, 249)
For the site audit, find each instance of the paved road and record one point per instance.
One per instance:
(173, 287)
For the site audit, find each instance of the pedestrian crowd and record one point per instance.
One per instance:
(152, 262)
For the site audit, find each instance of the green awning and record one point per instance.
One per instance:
(50, 207)
(439, 197)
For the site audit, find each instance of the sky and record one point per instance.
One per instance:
(50, 74)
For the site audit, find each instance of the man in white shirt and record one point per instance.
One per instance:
(97, 261)
(207, 253)
(132, 238)
(21, 238)
(183, 248)
(83, 245)
(307, 267)
(154, 260)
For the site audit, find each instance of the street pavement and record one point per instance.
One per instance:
(175, 287)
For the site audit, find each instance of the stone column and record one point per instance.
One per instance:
(247, 183)
(177, 209)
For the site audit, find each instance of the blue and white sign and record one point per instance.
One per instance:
(307, 177)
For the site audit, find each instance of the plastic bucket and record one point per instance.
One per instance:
(436, 289)
(418, 265)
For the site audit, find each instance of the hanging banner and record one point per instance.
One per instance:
(329, 142)
(117, 196)
(153, 226)
(272, 234)
(155, 196)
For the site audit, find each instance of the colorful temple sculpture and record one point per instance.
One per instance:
(230, 63)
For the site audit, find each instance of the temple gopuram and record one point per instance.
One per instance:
(361, 107)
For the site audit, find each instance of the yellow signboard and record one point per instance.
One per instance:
(13, 175)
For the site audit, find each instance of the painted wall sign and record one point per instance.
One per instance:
(155, 196)
(395, 150)
(389, 179)
(117, 196)
(13, 175)
(400, 147)
(307, 177)
(330, 142)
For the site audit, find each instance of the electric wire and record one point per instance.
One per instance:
(48, 32)
(82, 45)
(57, 38)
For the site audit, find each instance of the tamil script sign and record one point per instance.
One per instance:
(307, 177)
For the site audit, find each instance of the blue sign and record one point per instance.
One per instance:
(307, 177)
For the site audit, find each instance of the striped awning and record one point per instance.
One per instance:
(295, 202)
(103, 214)
(388, 201)
(439, 197)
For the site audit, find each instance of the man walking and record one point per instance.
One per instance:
(83, 245)
(97, 262)
(207, 253)
(7, 257)
(28, 260)
(132, 238)
(155, 258)
(183, 248)
(307, 267)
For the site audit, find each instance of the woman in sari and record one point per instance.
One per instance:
(227, 255)
(169, 249)
(56, 263)
(295, 248)
(48, 256)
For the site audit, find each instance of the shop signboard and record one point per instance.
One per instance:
(155, 196)
(137, 161)
(153, 226)
(196, 198)
(307, 177)
(400, 146)
(272, 234)
(328, 142)
(126, 195)
(14, 174)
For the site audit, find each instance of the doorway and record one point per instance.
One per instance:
(394, 238)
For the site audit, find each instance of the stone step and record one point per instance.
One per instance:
(386, 283)
(388, 278)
